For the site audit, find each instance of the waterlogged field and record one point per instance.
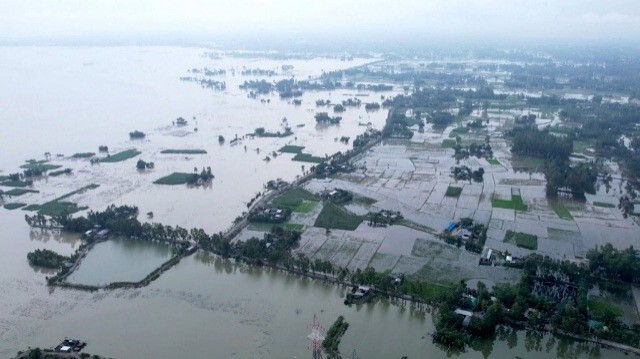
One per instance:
(226, 310)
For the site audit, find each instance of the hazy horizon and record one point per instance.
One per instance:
(303, 22)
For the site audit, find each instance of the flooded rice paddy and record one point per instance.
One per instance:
(72, 100)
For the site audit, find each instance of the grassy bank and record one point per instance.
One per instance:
(176, 178)
(183, 152)
(121, 156)
(305, 157)
(291, 149)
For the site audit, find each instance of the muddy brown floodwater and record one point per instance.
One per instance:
(70, 100)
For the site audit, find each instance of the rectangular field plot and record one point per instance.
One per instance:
(383, 261)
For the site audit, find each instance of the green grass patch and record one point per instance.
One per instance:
(306, 206)
(59, 172)
(176, 178)
(515, 203)
(83, 155)
(19, 192)
(12, 206)
(448, 143)
(523, 240)
(12, 183)
(434, 291)
(335, 217)
(58, 207)
(4, 178)
(599, 306)
(291, 149)
(562, 211)
(453, 191)
(493, 161)
(305, 157)
(121, 156)
(294, 198)
(604, 204)
(183, 152)
(32, 207)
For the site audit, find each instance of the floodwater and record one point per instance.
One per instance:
(70, 100)
(120, 260)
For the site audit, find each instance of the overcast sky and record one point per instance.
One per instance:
(602, 20)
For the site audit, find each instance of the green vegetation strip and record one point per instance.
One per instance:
(291, 149)
(176, 178)
(604, 204)
(12, 206)
(40, 165)
(12, 183)
(562, 211)
(32, 207)
(59, 172)
(183, 152)
(453, 191)
(515, 203)
(598, 307)
(305, 157)
(83, 155)
(121, 156)
(58, 207)
(335, 217)
(334, 335)
(493, 161)
(19, 192)
(523, 240)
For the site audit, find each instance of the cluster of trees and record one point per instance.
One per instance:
(611, 263)
(383, 218)
(351, 102)
(274, 248)
(441, 120)
(477, 236)
(141, 165)
(334, 334)
(478, 150)
(530, 141)
(397, 126)
(46, 258)
(258, 86)
(137, 134)
(464, 173)
(520, 304)
(562, 177)
(204, 176)
(574, 180)
(372, 106)
(206, 83)
(323, 117)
